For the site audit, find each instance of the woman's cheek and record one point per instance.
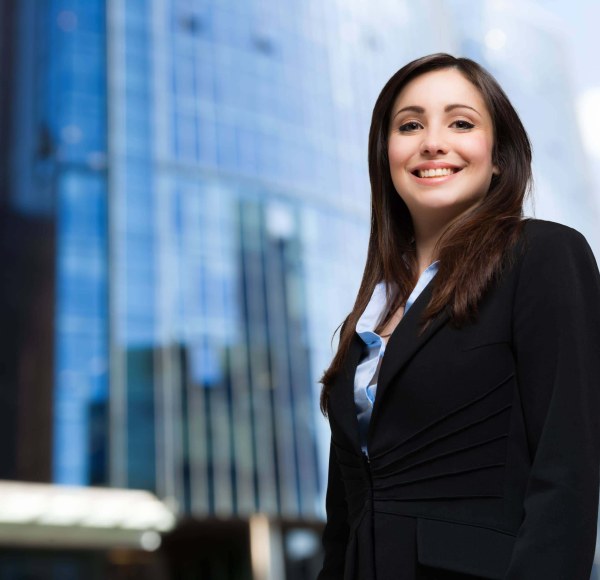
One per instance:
(478, 147)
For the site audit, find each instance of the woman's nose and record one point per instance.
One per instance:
(433, 143)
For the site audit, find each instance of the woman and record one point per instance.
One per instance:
(464, 398)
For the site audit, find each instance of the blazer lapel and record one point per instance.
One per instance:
(404, 343)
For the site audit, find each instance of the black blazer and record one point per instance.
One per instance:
(486, 437)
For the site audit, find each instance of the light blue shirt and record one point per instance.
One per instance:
(367, 371)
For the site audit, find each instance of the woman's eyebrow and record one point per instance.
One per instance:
(447, 108)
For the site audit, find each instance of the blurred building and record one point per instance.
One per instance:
(184, 222)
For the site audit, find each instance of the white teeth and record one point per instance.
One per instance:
(436, 172)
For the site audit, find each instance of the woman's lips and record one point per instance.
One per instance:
(434, 180)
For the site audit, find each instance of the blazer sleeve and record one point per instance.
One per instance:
(335, 535)
(556, 340)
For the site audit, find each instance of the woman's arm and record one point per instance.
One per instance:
(335, 535)
(556, 337)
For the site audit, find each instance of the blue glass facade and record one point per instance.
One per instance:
(56, 172)
(210, 356)
(74, 110)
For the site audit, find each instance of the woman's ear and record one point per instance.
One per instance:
(495, 170)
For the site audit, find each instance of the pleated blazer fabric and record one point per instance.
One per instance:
(484, 441)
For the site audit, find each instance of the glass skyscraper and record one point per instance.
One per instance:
(186, 204)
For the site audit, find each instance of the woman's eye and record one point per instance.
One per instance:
(413, 125)
(410, 126)
(464, 124)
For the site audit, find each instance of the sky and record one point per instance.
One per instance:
(582, 42)
(580, 20)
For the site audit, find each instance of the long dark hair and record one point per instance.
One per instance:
(473, 249)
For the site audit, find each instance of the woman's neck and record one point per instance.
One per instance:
(428, 230)
(425, 241)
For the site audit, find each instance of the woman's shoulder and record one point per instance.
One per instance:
(548, 237)
(552, 244)
(537, 230)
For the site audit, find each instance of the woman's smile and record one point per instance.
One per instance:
(434, 180)
(430, 174)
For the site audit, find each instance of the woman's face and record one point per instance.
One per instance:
(440, 120)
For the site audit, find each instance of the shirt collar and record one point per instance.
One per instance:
(370, 318)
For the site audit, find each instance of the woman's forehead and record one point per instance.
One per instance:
(437, 90)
